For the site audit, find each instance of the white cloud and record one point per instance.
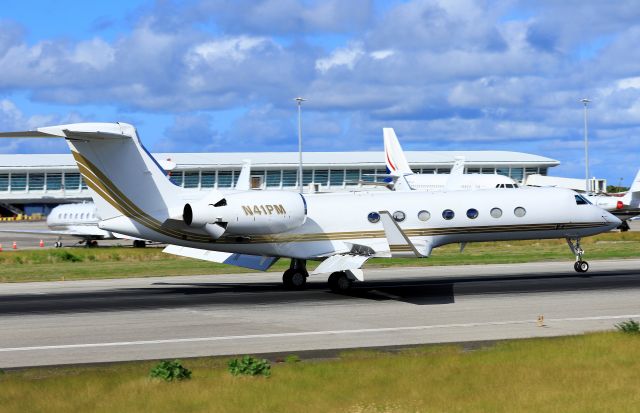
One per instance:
(346, 56)
(232, 48)
(96, 53)
(381, 54)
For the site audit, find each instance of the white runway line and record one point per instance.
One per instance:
(309, 333)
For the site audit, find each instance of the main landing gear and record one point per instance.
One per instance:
(295, 278)
(580, 265)
(340, 282)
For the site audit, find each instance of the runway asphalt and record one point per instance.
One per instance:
(130, 319)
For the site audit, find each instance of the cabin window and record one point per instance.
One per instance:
(82, 216)
(424, 215)
(519, 212)
(373, 217)
(399, 216)
(65, 216)
(472, 213)
(496, 212)
(448, 214)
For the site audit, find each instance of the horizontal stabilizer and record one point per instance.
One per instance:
(341, 262)
(254, 262)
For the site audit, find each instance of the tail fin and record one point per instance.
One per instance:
(123, 178)
(454, 182)
(244, 180)
(394, 156)
(632, 198)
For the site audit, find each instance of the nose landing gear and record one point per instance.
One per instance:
(574, 245)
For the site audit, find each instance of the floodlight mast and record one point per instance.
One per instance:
(299, 101)
(586, 102)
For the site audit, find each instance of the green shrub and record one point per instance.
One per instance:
(170, 370)
(66, 256)
(630, 326)
(292, 358)
(249, 366)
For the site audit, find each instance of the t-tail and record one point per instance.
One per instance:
(123, 177)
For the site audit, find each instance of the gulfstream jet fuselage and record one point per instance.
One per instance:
(343, 230)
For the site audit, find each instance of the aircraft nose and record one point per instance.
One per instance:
(614, 221)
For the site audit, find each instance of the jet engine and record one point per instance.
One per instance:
(248, 213)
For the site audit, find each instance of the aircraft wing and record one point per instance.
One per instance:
(253, 262)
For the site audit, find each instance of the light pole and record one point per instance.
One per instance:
(299, 100)
(585, 102)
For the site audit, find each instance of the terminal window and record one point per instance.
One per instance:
(352, 176)
(71, 181)
(36, 181)
(208, 179)
(54, 181)
(191, 179)
(321, 176)
(18, 182)
(336, 177)
(289, 178)
(4, 182)
(225, 179)
(368, 175)
(273, 178)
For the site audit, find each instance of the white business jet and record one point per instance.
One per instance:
(78, 220)
(406, 180)
(253, 229)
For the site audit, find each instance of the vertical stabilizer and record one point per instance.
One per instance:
(632, 198)
(244, 180)
(394, 156)
(456, 176)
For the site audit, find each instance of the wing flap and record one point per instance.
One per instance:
(254, 262)
(341, 262)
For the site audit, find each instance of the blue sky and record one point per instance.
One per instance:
(215, 75)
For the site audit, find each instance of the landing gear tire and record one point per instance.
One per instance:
(624, 227)
(581, 266)
(339, 282)
(138, 243)
(294, 279)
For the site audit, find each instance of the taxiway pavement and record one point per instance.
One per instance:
(52, 323)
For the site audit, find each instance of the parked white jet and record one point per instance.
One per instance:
(78, 220)
(406, 180)
(343, 230)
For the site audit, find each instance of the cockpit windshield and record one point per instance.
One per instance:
(580, 200)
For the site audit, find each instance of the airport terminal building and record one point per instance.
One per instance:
(35, 183)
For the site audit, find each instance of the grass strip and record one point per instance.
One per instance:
(595, 372)
(120, 262)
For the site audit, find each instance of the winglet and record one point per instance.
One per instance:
(398, 241)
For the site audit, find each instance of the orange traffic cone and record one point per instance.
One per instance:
(14, 246)
(41, 243)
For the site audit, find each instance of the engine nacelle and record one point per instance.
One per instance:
(248, 213)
